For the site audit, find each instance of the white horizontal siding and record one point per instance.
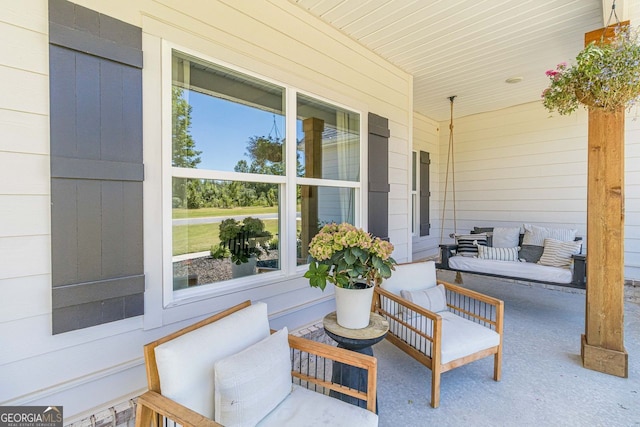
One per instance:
(28, 14)
(521, 165)
(24, 132)
(24, 215)
(23, 91)
(24, 256)
(24, 49)
(24, 174)
(24, 297)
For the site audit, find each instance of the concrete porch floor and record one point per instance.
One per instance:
(543, 381)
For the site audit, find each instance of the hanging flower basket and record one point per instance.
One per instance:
(586, 98)
(605, 76)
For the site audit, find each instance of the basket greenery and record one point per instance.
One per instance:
(605, 76)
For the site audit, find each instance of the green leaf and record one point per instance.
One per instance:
(385, 271)
(342, 281)
(349, 257)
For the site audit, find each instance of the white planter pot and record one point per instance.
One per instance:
(353, 307)
(245, 269)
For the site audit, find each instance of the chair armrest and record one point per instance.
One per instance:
(404, 320)
(400, 302)
(341, 355)
(475, 306)
(152, 404)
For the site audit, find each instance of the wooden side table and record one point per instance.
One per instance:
(358, 340)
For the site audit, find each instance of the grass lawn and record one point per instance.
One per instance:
(200, 237)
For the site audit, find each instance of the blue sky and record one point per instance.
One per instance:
(221, 129)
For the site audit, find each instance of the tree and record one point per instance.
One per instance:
(184, 153)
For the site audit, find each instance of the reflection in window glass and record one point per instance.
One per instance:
(224, 120)
(223, 230)
(228, 124)
(318, 206)
(328, 141)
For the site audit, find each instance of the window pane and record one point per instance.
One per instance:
(414, 208)
(224, 120)
(328, 141)
(213, 238)
(318, 206)
(414, 161)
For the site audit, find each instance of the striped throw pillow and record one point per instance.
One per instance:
(534, 235)
(467, 243)
(498, 254)
(558, 254)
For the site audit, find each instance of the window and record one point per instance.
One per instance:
(414, 194)
(244, 202)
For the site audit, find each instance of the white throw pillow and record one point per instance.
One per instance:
(534, 235)
(506, 237)
(251, 383)
(185, 364)
(411, 276)
(498, 254)
(433, 299)
(558, 254)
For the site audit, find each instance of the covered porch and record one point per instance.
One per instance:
(543, 381)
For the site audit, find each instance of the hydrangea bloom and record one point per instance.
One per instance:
(345, 255)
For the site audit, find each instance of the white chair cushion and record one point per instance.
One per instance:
(186, 364)
(523, 270)
(251, 383)
(306, 408)
(433, 299)
(462, 337)
(411, 277)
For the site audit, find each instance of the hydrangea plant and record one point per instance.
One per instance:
(605, 76)
(346, 255)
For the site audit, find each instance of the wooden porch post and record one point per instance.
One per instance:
(602, 346)
(313, 128)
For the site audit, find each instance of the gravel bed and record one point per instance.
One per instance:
(209, 270)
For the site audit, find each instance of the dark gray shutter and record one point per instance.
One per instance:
(425, 227)
(96, 167)
(379, 176)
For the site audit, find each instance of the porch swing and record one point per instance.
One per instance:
(450, 161)
(473, 251)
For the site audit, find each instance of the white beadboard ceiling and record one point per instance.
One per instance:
(468, 48)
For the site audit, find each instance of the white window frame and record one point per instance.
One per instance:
(415, 200)
(287, 188)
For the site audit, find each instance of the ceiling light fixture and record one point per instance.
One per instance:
(514, 79)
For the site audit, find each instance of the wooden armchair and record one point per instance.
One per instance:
(444, 327)
(286, 379)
